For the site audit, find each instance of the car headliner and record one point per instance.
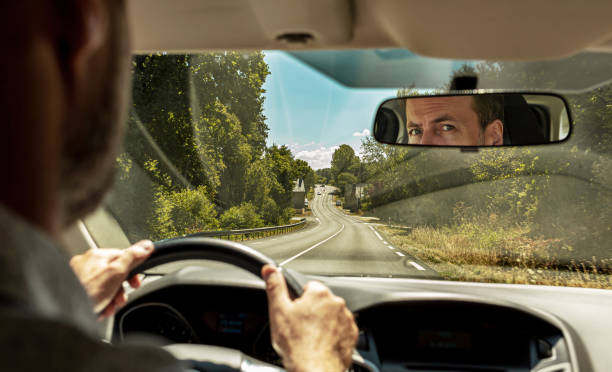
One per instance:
(468, 29)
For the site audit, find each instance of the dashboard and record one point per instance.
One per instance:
(459, 336)
(234, 318)
(400, 329)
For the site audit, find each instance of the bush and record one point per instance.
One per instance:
(270, 211)
(366, 205)
(182, 212)
(286, 215)
(242, 217)
(273, 215)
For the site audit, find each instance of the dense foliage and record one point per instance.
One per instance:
(197, 130)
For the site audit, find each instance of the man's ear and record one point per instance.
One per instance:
(82, 33)
(494, 133)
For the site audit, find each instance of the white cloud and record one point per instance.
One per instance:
(317, 158)
(363, 133)
(296, 147)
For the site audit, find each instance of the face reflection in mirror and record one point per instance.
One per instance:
(455, 121)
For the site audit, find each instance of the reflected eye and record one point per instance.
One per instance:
(415, 132)
(447, 127)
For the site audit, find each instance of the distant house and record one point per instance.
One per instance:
(299, 195)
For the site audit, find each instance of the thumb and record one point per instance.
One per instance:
(136, 254)
(276, 288)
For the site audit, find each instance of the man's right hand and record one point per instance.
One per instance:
(315, 332)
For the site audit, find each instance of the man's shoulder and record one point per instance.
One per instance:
(35, 275)
(31, 343)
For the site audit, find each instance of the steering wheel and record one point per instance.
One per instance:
(193, 248)
(214, 358)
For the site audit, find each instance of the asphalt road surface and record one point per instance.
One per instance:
(334, 243)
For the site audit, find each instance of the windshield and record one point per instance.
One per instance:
(224, 141)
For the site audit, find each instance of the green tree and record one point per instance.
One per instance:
(160, 123)
(345, 179)
(230, 146)
(320, 179)
(344, 160)
(324, 175)
(280, 162)
(236, 80)
(205, 113)
(305, 172)
(227, 89)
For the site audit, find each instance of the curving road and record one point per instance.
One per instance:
(334, 243)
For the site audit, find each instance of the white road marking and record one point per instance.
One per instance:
(377, 234)
(390, 247)
(318, 220)
(256, 243)
(311, 248)
(385, 243)
(399, 254)
(418, 267)
(370, 226)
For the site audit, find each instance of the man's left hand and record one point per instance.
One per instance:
(103, 271)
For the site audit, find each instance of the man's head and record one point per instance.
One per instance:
(63, 93)
(456, 121)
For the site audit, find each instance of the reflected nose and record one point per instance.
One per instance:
(429, 137)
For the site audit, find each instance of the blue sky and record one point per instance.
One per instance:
(313, 114)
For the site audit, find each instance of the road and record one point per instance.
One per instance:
(338, 244)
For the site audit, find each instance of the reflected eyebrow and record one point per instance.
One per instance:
(445, 117)
(440, 119)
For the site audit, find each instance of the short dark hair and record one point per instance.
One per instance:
(489, 107)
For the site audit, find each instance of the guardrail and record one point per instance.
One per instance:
(260, 232)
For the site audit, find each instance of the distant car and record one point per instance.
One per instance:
(318, 192)
(338, 203)
(306, 203)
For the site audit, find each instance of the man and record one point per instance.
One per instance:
(456, 121)
(63, 89)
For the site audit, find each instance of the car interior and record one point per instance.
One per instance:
(218, 311)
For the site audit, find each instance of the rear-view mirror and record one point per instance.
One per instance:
(474, 120)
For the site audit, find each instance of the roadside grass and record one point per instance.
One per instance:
(487, 251)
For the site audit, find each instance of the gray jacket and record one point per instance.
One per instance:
(46, 318)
